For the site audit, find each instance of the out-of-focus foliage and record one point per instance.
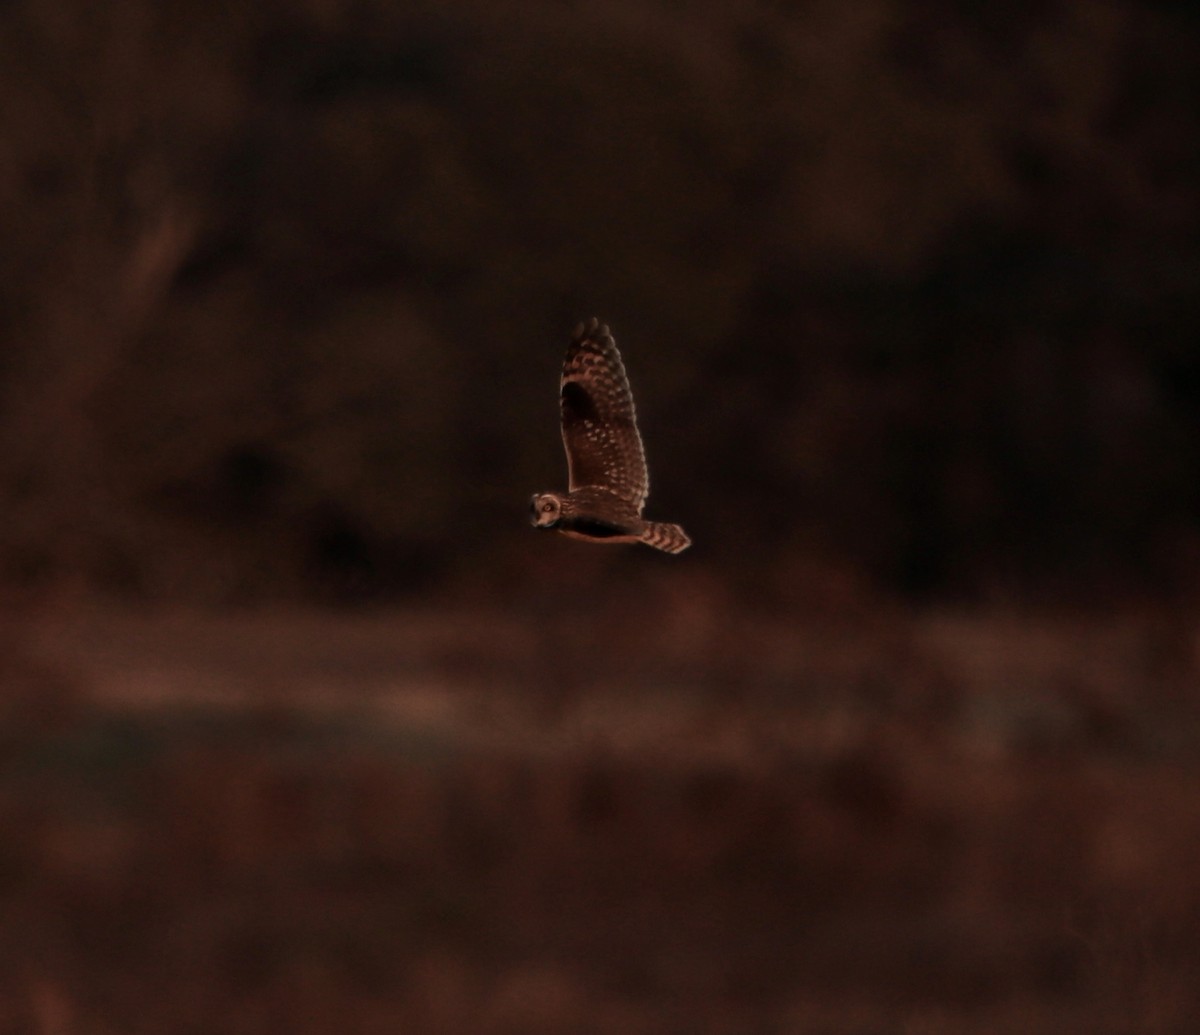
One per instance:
(283, 287)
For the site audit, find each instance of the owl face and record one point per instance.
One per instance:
(545, 509)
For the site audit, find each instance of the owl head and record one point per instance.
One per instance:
(545, 509)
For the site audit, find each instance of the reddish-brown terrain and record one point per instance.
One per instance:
(478, 822)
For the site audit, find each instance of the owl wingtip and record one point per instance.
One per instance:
(591, 328)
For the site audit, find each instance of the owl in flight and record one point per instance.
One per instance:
(607, 480)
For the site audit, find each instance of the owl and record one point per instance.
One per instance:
(607, 480)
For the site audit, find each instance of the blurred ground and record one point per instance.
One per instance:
(439, 821)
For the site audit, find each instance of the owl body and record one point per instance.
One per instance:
(608, 480)
(592, 513)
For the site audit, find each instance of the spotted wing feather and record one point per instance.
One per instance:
(599, 424)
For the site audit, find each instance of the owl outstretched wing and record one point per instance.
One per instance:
(599, 424)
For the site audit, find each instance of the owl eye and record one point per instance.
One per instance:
(547, 507)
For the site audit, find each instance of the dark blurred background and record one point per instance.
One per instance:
(908, 296)
(911, 287)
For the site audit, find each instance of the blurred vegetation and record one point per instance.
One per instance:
(283, 287)
(432, 820)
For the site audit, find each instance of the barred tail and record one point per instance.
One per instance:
(668, 538)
